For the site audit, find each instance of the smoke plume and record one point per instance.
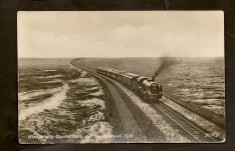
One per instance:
(165, 63)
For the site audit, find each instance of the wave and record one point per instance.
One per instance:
(54, 81)
(50, 70)
(86, 81)
(92, 88)
(93, 102)
(30, 94)
(83, 74)
(48, 104)
(99, 93)
(54, 76)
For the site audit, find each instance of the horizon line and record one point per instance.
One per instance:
(119, 57)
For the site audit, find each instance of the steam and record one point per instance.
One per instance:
(165, 63)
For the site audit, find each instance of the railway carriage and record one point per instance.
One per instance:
(109, 71)
(99, 70)
(134, 82)
(127, 80)
(114, 74)
(103, 71)
(120, 76)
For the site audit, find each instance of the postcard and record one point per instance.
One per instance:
(121, 77)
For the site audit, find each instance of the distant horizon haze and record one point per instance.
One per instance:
(117, 57)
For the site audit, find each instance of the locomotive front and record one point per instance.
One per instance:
(153, 91)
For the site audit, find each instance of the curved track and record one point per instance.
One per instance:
(184, 124)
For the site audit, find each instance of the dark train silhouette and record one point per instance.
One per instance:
(144, 87)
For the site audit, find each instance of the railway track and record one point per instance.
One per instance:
(183, 123)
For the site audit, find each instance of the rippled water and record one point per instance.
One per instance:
(198, 81)
(60, 103)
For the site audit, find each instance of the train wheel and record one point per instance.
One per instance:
(146, 99)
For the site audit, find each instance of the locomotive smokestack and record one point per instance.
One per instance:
(153, 78)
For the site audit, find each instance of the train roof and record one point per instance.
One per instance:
(142, 78)
(105, 68)
(114, 71)
(100, 68)
(127, 76)
(132, 75)
(119, 71)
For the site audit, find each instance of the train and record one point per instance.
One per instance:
(146, 88)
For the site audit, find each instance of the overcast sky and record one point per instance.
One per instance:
(120, 34)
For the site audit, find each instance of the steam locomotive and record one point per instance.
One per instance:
(144, 87)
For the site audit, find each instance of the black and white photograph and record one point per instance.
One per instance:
(121, 77)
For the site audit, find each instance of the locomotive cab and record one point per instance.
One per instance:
(140, 86)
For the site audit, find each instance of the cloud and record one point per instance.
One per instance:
(47, 44)
(126, 32)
